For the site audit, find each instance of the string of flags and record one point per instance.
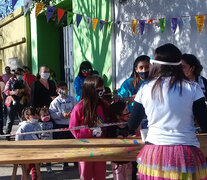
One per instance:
(95, 21)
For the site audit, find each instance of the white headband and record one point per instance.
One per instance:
(165, 63)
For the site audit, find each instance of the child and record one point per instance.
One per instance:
(30, 123)
(90, 111)
(118, 112)
(170, 102)
(46, 124)
(60, 110)
(84, 71)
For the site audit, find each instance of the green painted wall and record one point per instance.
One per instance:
(45, 44)
(94, 46)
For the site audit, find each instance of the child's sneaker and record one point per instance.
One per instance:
(49, 169)
(14, 102)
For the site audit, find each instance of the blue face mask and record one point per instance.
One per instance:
(19, 77)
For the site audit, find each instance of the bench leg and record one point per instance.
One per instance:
(14, 172)
(39, 175)
(24, 172)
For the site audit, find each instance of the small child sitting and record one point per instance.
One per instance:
(30, 123)
(46, 124)
(21, 98)
(118, 112)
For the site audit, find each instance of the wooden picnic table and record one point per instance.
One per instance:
(73, 150)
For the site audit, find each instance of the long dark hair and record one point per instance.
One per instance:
(90, 98)
(135, 75)
(84, 65)
(116, 109)
(192, 61)
(166, 53)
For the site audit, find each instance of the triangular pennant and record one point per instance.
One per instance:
(27, 4)
(186, 20)
(200, 21)
(101, 24)
(142, 26)
(150, 21)
(69, 17)
(110, 25)
(174, 24)
(162, 24)
(94, 22)
(88, 21)
(61, 12)
(13, 3)
(50, 12)
(39, 7)
(134, 26)
(78, 19)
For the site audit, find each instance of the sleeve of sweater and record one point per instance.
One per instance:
(136, 116)
(34, 94)
(55, 110)
(200, 113)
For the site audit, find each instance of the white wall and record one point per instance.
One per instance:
(187, 39)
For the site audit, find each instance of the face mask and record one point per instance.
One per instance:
(19, 77)
(45, 75)
(45, 118)
(101, 92)
(34, 121)
(143, 75)
(85, 74)
(63, 92)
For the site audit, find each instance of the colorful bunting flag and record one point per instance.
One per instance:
(101, 24)
(69, 17)
(186, 20)
(50, 12)
(134, 25)
(13, 3)
(162, 24)
(94, 22)
(174, 24)
(78, 19)
(110, 25)
(88, 21)
(200, 21)
(150, 21)
(61, 12)
(142, 25)
(27, 4)
(39, 7)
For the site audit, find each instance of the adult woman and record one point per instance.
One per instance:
(170, 103)
(90, 111)
(43, 90)
(192, 69)
(84, 71)
(131, 85)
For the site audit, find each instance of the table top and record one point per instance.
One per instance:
(73, 150)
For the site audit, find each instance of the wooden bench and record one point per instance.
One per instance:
(72, 150)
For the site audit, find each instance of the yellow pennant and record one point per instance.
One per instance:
(134, 25)
(38, 9)
(200, 21)
(94, 22)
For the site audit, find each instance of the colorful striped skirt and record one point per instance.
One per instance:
(156, 162)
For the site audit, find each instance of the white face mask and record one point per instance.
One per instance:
(45, 118)
(45, 75)
(34, 121)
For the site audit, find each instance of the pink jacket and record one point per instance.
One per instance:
(77, 119)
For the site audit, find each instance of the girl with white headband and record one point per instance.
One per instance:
(170, 102)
